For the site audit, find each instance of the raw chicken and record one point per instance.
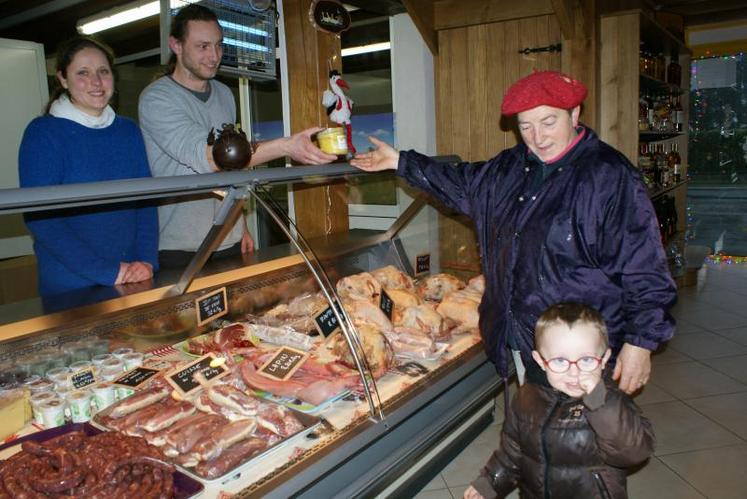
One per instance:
(365, 312)
(359, 286)
(391, 277)
(461, 307)
(424, 318)
(402, 298)
(376, 348)
(437, 286)
(477, 283)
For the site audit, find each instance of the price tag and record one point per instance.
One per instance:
(326, 322)
(386, 304)
(422, 263)
(283, 364)
(136, 377)
(183, 378)
(211, 306)
(83, 378)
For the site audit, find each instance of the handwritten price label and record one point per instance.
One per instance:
(386, 304)
(326, 322)
(83, 378)
(136, 377)
(423, 263)
(211, 306)
(183, 379)
(283, 364)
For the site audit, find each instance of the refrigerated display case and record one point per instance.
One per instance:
(386, 435)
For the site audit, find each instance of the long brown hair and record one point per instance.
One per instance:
(66, 53)
(179, 26)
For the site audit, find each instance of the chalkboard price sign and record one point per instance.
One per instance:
(83, 378)
(423, 263)
(283, 364)
(386, 304)
(326, 322)
(211, 306)
(183, 378)
(136, 377)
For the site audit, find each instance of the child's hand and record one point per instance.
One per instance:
(589, 381)
(472, 493)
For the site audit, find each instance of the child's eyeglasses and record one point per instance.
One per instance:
(560, 365)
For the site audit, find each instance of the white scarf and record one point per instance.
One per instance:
(62, 107)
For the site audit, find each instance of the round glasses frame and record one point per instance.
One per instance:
(560, 365)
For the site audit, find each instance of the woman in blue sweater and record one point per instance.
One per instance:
(80, 139)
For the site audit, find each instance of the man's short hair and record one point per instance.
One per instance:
(570, 314)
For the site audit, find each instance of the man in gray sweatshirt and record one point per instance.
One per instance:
(176, 114)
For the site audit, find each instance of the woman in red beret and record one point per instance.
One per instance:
(560, 217)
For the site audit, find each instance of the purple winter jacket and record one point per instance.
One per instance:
(587, 233)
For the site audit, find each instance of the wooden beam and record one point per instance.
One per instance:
(564, 12)
(321, 210)
(459, 13)
(421, 13)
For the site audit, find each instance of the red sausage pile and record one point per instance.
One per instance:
(108, 465)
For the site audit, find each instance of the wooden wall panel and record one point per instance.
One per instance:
(459, 13)
(619, 83)
(319, 210)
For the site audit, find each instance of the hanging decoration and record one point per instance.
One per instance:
(329, 16)
(339, 106)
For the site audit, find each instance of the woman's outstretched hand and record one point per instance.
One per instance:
(384, 157)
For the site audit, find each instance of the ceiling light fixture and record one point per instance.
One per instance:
(124, 14)
(365, 49)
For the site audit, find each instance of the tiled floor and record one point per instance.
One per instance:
(697, 401)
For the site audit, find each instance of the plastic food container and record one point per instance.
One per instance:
(104, 395)
(98, 346)
(333, 141)
(121, 352)
(60, 376)
(80, 406)
(132, 360)
(37, 400)
(76, 351)
(52, 413)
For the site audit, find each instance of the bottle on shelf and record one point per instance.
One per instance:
(661, 67)
(675, 163)
(679, 115)
(643, 122)
(674, 71)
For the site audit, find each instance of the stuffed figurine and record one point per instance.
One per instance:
(339, 106)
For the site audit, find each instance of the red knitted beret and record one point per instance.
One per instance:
(543, 88)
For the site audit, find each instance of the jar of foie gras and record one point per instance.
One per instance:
(333, 141)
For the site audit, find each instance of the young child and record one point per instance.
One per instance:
(574, 436)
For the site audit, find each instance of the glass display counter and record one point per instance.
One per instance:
(390, 367)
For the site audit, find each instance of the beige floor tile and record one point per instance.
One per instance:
(734, 367)
(717, 473)
(434, 494)
(686, 380)
(465, 467)
(706, 345)
(657, 481)
(680, 428)
(727, 410)
(435, 484)
(652, 394)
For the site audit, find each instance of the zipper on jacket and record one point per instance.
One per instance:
(545, 452)
(603, 490)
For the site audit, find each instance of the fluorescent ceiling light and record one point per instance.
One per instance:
(242, 28)
(245, 45)
(124, 14)
(364, 49)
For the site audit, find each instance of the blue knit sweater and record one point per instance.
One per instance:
(82, 247)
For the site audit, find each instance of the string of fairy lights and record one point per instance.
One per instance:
(699, 107)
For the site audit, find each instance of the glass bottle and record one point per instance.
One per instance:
(643, 123)
(676, 164)
(679, 115)
(674, 71)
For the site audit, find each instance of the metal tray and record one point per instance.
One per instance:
(308, 422)
(184, 486)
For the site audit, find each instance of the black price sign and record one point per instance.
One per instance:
(211, 306)
(326, 322)
(423, 263)
(386, 304)
(183, 378)
(83, 378)
(283, 364)
(136, 377)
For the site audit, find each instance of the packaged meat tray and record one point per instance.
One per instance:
(212, 435)
(184, 486)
